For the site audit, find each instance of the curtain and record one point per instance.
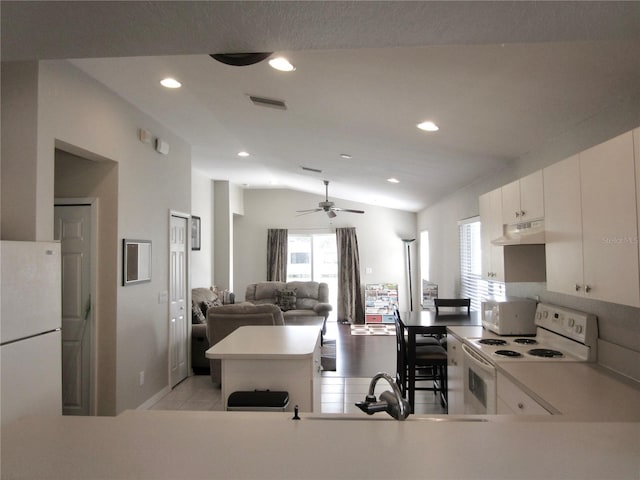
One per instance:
(277, 239)
(350, 308)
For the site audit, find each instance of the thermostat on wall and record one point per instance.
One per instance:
(162, 146)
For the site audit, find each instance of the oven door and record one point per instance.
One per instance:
(480, 386)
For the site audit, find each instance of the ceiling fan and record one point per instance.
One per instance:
(327, 206)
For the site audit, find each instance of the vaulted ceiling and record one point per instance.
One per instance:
(499, 78)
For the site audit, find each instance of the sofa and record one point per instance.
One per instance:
(221, 321)
(201, 300)
(302, 303)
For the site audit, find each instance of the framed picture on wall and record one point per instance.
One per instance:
(195, 232)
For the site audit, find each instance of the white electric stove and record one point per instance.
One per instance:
(562, 335)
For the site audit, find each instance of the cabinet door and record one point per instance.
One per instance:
(512, 399)
(636, 143)
(511, 202)
(563, 224)
(490, 228)
(532, 196)
(455, 383)
(609, 221)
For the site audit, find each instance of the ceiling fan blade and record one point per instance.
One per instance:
(307, 212)
(348, 210)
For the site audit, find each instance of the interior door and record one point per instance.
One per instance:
(178, 326)
(73, 229)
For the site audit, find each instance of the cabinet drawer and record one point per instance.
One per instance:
(373, 318)
(515, 400)
(388, 319)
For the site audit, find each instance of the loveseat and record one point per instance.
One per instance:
(302, 303)
(221, 321)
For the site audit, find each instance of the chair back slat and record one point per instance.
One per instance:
(453, 302)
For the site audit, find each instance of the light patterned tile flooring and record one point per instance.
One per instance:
(339, 395)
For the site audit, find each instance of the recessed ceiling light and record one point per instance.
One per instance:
(170, 83)
(243, 154)
(346, 156)
(393, 180)
(282, 64)
(428, 127)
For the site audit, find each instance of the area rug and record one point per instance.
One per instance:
(373, 329)
(328, 359)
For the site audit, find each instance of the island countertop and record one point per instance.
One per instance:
(267, 342)
(195, 445)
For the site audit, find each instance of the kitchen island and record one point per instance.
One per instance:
(195, 445)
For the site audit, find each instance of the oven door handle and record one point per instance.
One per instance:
(477, 360)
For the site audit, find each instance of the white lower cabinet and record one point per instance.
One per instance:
(512, 400)
(455, 382)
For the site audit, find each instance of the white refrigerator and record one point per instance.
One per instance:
(30, 329)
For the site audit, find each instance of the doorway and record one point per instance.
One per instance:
(179, 333)
(74, 228)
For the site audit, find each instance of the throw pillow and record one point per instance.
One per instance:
(196, 314)
(207, 304)
(286, 299)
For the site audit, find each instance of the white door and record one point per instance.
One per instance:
(178, 326)
(73, 229)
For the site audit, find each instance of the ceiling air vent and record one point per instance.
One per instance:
(309, 169)
(268, 102)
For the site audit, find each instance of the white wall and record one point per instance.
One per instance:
(202, 261)
(379, 231)
(78, 112)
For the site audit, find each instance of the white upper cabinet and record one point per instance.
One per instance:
(591, 219)
(522, 200)
(490, 205)
(609, 221)
(563, 224)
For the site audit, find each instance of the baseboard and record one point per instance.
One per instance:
(155, 399)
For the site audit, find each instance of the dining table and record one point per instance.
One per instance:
(428, 322)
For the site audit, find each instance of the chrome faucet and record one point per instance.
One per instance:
(391, 402)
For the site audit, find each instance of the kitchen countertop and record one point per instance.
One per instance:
(170, 445)
(579, 390)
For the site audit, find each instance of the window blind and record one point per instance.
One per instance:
(472, 285)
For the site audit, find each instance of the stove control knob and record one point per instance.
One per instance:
(571, 322)
(578, 328)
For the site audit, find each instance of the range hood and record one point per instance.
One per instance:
(523, 233)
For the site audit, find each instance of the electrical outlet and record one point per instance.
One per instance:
(141, 378)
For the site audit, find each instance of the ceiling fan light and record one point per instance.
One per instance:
(331, 214)
(282, 64)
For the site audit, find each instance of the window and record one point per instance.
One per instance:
(472, 284)
(314, 257)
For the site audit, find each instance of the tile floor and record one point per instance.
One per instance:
(339, 394)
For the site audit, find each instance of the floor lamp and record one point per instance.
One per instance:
(408, 242)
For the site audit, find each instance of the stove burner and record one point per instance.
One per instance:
(545, 352)
(526, 341)
(508, 353)
(492, 341)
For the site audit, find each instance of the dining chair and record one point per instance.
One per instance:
(430, 366)
(457, 304)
